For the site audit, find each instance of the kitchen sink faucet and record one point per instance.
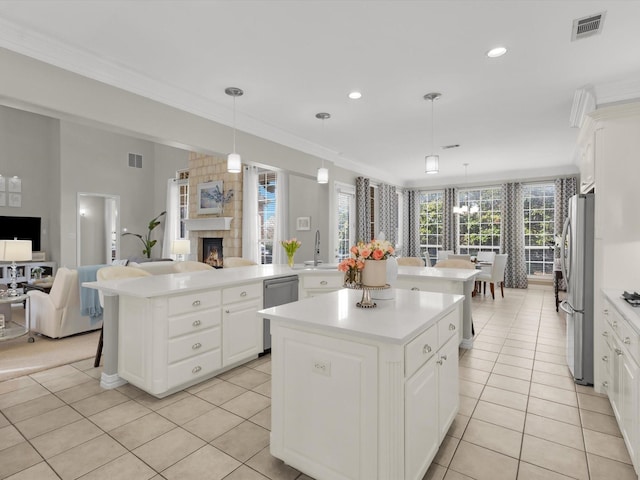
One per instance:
(316, 250)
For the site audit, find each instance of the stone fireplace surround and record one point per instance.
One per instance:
(228, 226)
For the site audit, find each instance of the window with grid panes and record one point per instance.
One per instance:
(431, 224)
(539, 214)
(266, 214)
(182, 177)
(346, 217)
(480, 231)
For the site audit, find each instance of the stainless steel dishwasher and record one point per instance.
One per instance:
(278, 291)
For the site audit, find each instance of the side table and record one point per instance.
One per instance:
(12, 329)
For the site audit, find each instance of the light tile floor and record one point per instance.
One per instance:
(521, 416)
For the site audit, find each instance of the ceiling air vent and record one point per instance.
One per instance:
(587, 26)
(135, 160)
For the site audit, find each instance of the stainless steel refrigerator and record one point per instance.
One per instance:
(577, 268)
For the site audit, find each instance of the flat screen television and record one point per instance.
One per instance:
(22, 228)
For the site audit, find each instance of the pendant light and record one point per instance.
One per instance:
(464, 209)
(234, 163)
(323, 173)
(431, 161)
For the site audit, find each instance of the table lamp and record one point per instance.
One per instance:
(12, 251)
(181, 248)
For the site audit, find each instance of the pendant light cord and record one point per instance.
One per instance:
(234, 124)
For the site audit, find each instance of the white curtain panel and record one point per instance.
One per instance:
(250, 220)
(282, 217)
(171, 219)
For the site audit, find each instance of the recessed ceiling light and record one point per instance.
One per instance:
(355, 95)
(496, 52)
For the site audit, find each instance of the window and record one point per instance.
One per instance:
(480, 231)
(266, 214)
(346, 219)
(182, 177)
(539, 214)
(431, 224)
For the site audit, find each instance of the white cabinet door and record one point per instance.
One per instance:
(241, 331)
(629, 403)
(421, 424)
(448, 399)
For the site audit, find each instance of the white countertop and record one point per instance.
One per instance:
(397, 320)
(175, 283)
(631, 314)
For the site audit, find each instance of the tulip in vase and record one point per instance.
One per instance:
(290, 246)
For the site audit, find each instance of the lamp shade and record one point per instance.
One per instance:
(323, 175)
(431, 164)
(15, 250)
(181, 247)
(234, 163)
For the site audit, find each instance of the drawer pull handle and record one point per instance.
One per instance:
(415, 289)
(615, 324)
(606, 312)
(196, 323)
(323, 282)
(443, 357)
(426, 348)
(226, 311)
(627, 340)
(605, 334)
(439, 362)
(196, 369)
(618, 352)
(196, 303)
(605, 358)
(605, 384)
(452, 326)
(196, 346)
(243, 294)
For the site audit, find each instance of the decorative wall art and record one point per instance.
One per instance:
(15, 185)
(303, 223)
(211, 197)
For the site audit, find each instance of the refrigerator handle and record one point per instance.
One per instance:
(564, 305)
(563, 249)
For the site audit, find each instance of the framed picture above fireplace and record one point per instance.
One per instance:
(210, 197)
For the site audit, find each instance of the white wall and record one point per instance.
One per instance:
(308, 199)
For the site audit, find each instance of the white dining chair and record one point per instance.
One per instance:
(443, 254)
(486, 257)
(459, 257)
(410, 262)
(495, 276)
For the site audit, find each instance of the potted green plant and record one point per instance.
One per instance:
(146, 240)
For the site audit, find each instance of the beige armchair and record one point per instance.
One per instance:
(57, 314)
(454, 263)
(190, 266)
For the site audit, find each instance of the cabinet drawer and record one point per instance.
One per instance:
(194, 322)
(242, 292)
(420, 349)
(448, 327)
(191, 345)
(193, 368)
(629, 339)
(193, 302)
(323, 281)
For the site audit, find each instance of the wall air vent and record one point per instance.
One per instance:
(587, 26)
(447, 147)
(135, 160)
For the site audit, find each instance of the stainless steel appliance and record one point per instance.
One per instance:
(577, 257)
(278, 291)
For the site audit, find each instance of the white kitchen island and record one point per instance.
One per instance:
(364, 393)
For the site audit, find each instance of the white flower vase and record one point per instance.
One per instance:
(374, 273)
(392, 276)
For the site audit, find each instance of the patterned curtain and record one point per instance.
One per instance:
(450, 240)
(515, 275)
(411, 223)
(565, 189)
(363, 209)
(388, 211)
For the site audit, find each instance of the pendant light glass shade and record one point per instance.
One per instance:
(464, 209)
(322, 175)
(432, 162)
(234, 162)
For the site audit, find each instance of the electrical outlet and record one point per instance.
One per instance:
(321, 368)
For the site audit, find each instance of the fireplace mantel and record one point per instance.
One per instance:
(212, 223)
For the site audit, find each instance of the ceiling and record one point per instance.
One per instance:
(293, 59)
